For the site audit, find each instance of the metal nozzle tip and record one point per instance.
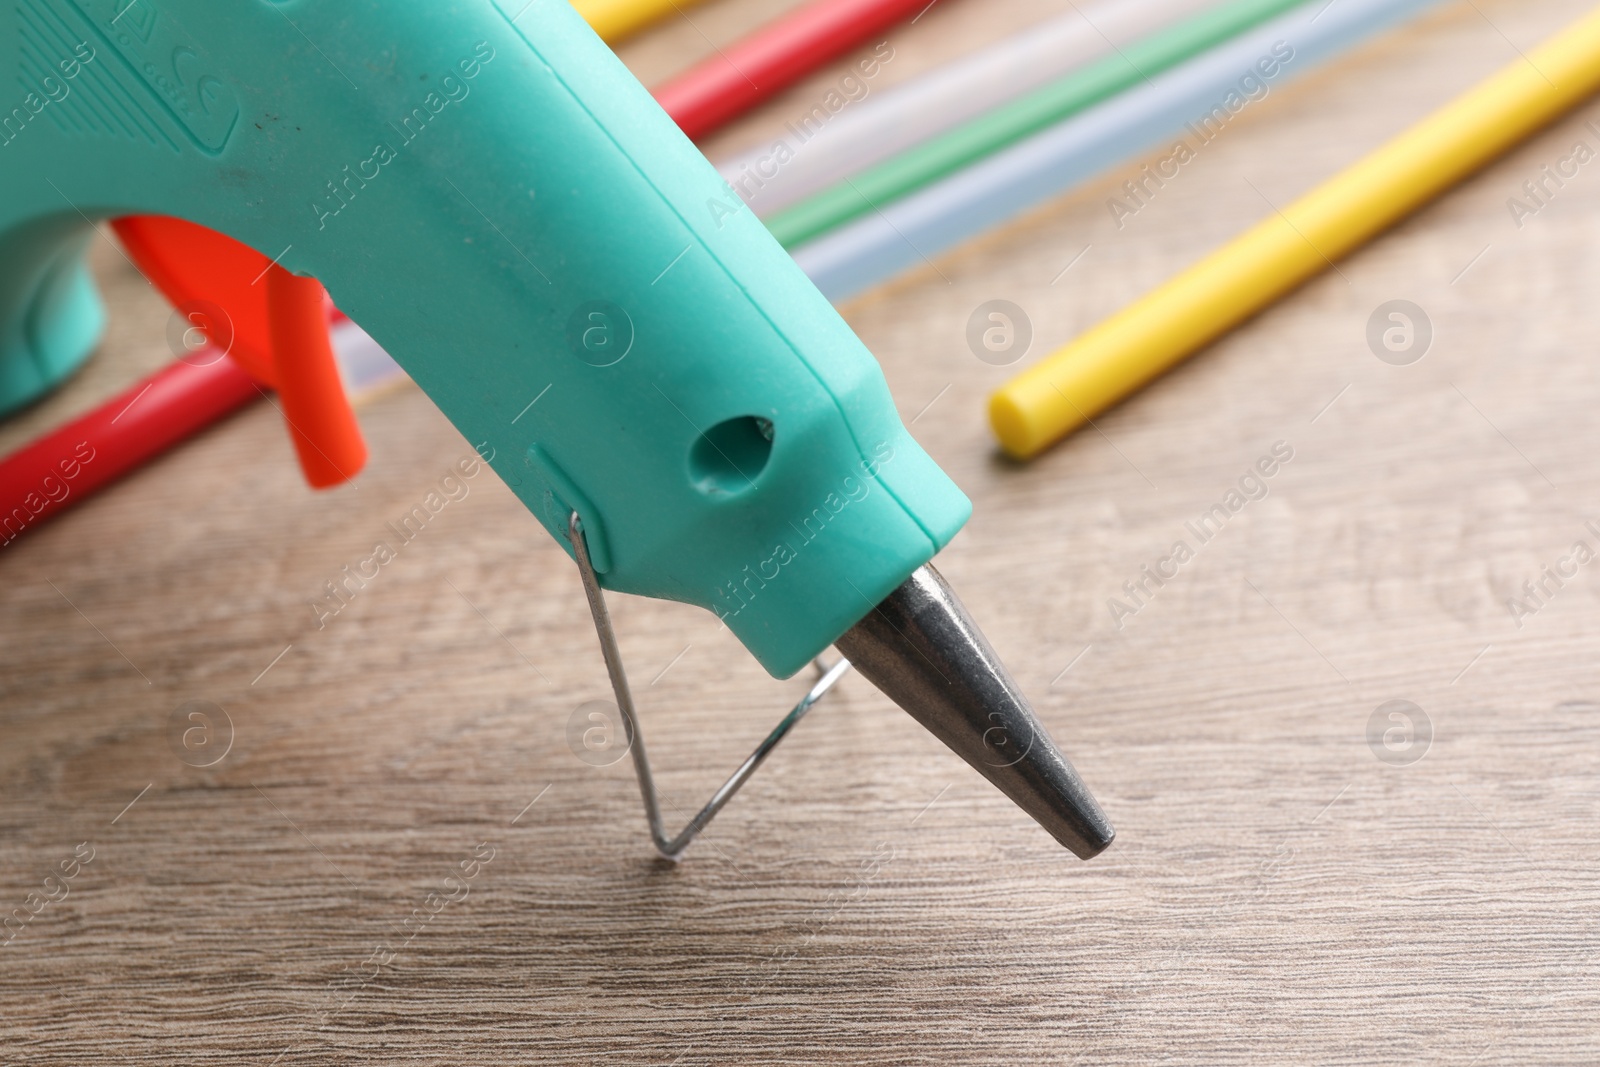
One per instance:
(924, 651)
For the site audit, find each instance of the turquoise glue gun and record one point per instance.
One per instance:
(489, 193)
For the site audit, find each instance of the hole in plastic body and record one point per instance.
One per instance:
(730, 456)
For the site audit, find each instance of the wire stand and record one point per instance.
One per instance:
(672, 847)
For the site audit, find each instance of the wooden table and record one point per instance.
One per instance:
(1285, 888)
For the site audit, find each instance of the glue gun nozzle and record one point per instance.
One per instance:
(924, 651)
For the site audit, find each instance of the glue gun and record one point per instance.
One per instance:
(487, 191)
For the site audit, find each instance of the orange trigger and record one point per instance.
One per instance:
(272, 323)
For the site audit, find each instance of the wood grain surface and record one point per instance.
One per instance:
(1285, 887)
